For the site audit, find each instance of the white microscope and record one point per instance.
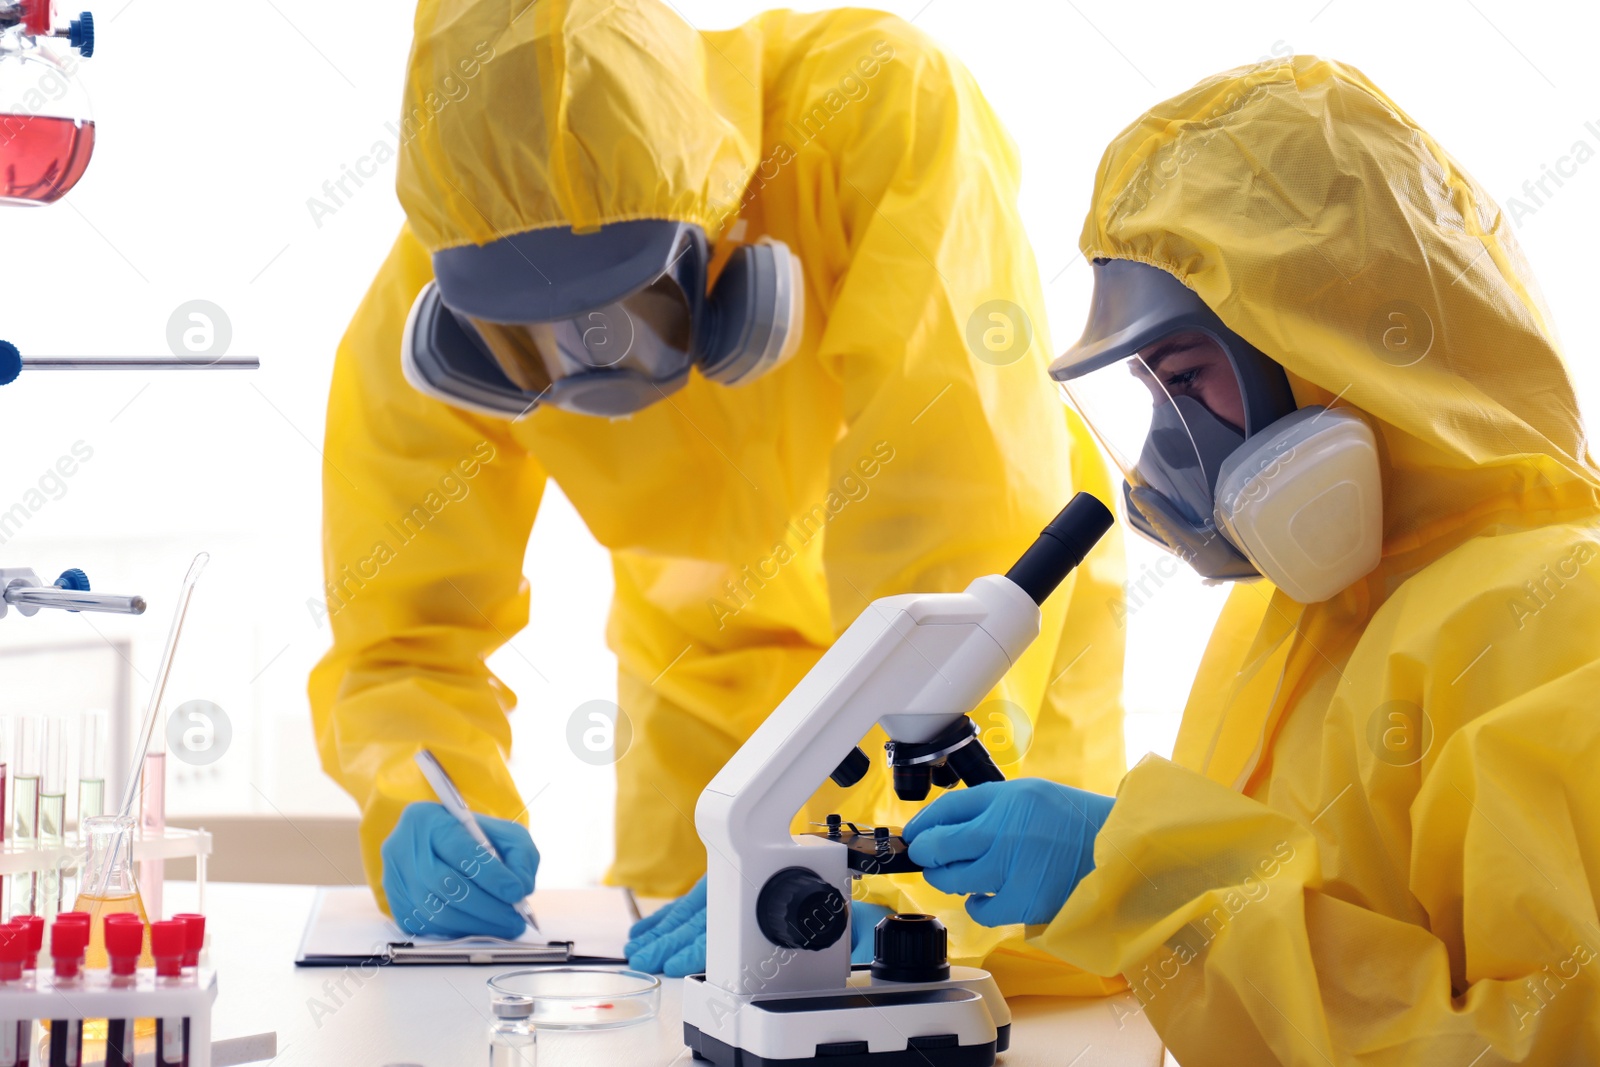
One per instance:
(779, 990)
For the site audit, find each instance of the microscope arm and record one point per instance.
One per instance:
(915, 664)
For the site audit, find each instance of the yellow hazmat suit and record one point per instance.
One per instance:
(1378, 837)
(748, 526)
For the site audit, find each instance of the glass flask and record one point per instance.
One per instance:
(46, 126)
(107, 885)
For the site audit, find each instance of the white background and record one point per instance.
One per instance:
(217, 123)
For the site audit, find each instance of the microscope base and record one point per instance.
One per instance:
(963, 1022)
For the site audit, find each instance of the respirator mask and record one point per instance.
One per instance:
(1219, 464)
(604, 323)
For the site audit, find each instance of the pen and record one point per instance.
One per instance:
(451, 798)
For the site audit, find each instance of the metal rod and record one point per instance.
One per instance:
(72, 600)
(141, 362)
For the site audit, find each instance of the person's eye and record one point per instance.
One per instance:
(1182, 380)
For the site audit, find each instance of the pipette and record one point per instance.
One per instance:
(160, 688)
(131, 792)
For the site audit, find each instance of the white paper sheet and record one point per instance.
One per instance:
(345, 921)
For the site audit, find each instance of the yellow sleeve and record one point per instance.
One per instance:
(426, 516)
(1216, 909)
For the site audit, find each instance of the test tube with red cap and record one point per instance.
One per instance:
(32, 927)
(195, 924)
(124, 936)
(169, 940)
(71, 918)
(13, 950)
(35, 927)
(69, 938)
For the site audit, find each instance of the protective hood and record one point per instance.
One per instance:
(1326, 228)
(1374, 829)
(633, 114)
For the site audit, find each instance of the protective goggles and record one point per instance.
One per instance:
(599, 324)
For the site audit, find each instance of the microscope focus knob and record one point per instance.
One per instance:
(798, 909)
(910, 948)
(852, 768)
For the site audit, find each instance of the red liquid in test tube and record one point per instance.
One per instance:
(69, 937)
(5, 765)
(124, 933)
(13, 949)
(169, 941)
(33, 926)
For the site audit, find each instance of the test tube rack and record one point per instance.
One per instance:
(91, 996)
(23, 857)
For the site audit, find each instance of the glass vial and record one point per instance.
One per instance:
(512, 1040)
(25, 808)
(153, 816)
(53, 811)
(92, 740)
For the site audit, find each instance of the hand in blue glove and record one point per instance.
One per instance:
(440, 881)
(1019, 847)
(864, 919)
(672, 940)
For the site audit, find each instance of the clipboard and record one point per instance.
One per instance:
(345, 928)
(468, 951)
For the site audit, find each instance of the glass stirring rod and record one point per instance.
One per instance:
(132, 790)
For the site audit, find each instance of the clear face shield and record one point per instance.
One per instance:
(1220, 465)
(1169, 415)
(1172, 394)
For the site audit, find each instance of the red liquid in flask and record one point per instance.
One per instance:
(42, 156)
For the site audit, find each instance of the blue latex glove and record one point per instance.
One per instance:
(440, 881)
(864, 918)
(1019, 847)
(672, 940)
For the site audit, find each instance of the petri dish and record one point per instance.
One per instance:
(582, 998)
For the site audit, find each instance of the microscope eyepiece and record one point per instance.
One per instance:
(1061, 546)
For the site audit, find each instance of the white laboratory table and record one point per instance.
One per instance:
(439, 1016)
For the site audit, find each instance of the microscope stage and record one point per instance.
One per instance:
(876, 851)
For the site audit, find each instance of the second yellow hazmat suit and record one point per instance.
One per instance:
(1378, 840)
(748, 526)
